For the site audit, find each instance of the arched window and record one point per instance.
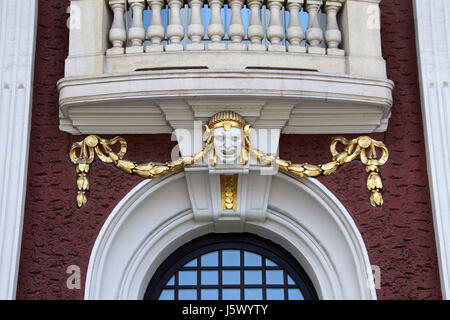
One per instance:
(230, 267)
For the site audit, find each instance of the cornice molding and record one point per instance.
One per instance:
(161, 101)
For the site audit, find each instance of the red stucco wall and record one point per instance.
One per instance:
(399, 236)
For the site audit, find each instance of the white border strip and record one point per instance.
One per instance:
(18, 24)
(433, 48)
(328, 245)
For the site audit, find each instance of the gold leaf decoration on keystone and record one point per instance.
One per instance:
(82, 155)
(228, 191)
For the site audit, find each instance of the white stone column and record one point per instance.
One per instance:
(155, 29)
(333, 35)
(314, 33)
(175, 29)
(118, 32)
(433, 41)
(136, 33)
(17, 47)
(216, 29)
(294, 32)
(255, 29)
(361, 38)
(89, 37)
(236, 30)
(196, 30)
(275, 30)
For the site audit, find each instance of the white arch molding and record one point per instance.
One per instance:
(156, 218)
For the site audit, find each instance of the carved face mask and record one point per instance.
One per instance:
(227, 144)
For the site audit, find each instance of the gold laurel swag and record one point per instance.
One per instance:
(364, 147)
(82, 155)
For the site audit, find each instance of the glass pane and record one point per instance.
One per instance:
(253, 277)
(290, 280)
(231, 277)
(171, 281)
(295, 294)
(210, 277)
(192, 263)
(187, 278)
(270, 263)
(167, 295)
(210, 294)
(274, 277)
(210, 259)
(231, 294)
(253, 294)
(252, 259)
(187, 294)
(231, 258)
(275, 294)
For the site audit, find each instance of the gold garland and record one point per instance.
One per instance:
(94, 144)
(364, 147)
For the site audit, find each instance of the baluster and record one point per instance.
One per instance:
(136, 33)
(275, 30)
(236, 30)
(294, 32)
(117, 33)
(333, 36)
(196, 30)
(255, 29)
(175, 29)
(314, 34)
(155, 29)
(216, 29)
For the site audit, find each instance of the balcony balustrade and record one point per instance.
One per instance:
(151, 66)
(156, 26)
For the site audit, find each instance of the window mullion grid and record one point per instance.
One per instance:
(263, 267)
(231, 268)
(233, 286)
(242, 274)
(220, 275)
(242, 286)
(285, 285)
(176, 286)
(199, 279)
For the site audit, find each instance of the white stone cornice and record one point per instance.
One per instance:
(17, 44)
(433, 44)
(289, 100)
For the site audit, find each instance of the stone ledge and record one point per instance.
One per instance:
(159, 101)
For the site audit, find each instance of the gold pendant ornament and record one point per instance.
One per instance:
(227, 139)
(228, 191)
(364, 147)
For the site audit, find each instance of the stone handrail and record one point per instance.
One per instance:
(283, 23)
(117, 36)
